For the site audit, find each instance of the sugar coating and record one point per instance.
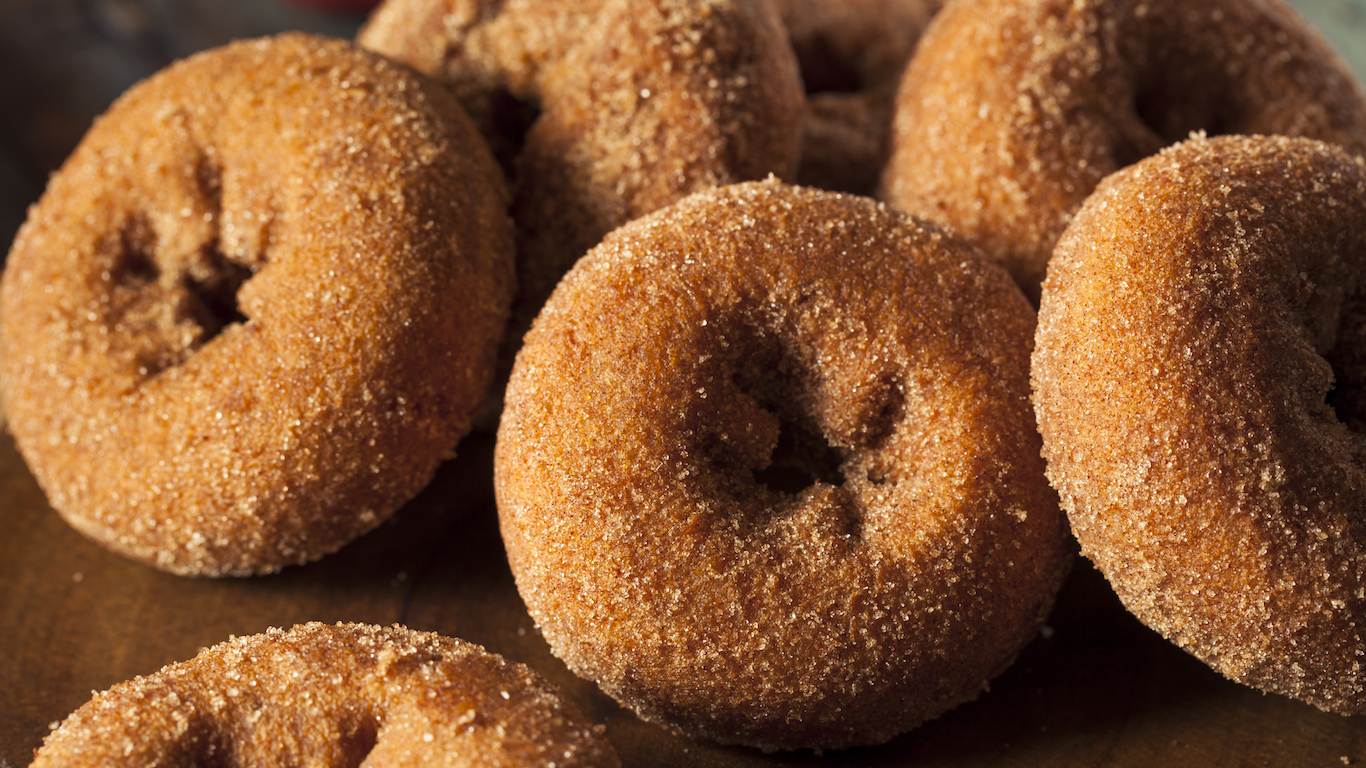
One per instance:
(852, 54)
(332, 695)
(1011, 112)
(664, 378)
(256, 306)
(1198, 379)
(640, 102)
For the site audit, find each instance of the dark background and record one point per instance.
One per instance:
(63, 61)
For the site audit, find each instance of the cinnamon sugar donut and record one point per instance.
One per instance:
(767, 470)
(332, 695)
(1201, 386)
(256, 307)
(851, 54)
(605, 110)
(1012, 111)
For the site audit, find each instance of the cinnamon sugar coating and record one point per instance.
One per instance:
(256, 307)
(852, 54)
(1200, 383)
(626, 105)
(1012, 111)
(767, 470)
(332, 695)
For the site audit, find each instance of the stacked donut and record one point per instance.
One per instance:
(767, 470)
(851, 54)
(1198, 356)
(262, 300)
(1013, 110)
(668, 485)
(605, 110)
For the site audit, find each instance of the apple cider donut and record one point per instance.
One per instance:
(332, 695)
(605, 110)
(1012, 111)
(851, 54)
(767, 470)
(1200, 383)
(256, 307)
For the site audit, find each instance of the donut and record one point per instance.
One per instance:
(605, 110)
(256, 307)
(767, 470)
(1199, 380)
(1011, 111)
(332, 695)
(851, 54)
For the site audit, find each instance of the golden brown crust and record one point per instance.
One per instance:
(640, 103)
(852, 54)
(332, 695)
(1011, 112)
(1195, 318)
(256, 307)
(745, 333)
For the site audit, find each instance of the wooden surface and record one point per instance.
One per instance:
(1097, 690)
(1100, 690)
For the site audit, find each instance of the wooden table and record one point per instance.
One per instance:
(1097, 689)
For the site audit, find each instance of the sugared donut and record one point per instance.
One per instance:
(1012, 111)
(606, 109)
(332, 695)
(851, 54)
(767, 470)
(256, 307)
(1200, 383)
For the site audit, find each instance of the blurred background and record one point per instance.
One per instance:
(63, 61)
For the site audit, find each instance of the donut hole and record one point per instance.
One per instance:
(802, 455)
(213, 742)
(1174, 110)
(1347, 395)
(135, 265)
(1157, 122)
(814, 431)
(801, 458)
(211, 282)
(1345, 404)
(210, 279)
(358, 740)
(1188, 90)
(510, 119)
(165, 305)
(823, 67)
(206, 744)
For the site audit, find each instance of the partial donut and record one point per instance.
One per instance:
(256, 307)
(767, 470)
(1201, 387)
(332, 695)
(605, 110)
(851, 54)
(1012, 111)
